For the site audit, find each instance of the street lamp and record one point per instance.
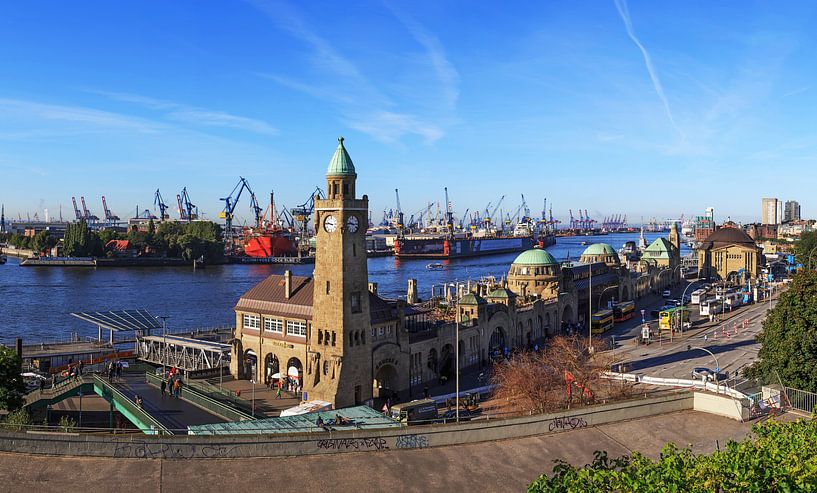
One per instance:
(598, 307)
(671, 270)
(717, 366)
(683, 295)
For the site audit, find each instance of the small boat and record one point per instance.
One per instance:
(585, 243)
(435, 266)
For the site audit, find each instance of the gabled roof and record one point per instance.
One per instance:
(727, 236)
(341, 164)
(267, 297)
(659, 248)
(472, 299)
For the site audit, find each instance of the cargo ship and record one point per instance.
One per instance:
(468, 245)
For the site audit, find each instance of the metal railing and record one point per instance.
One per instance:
(799, 399)
(203, 401)
(111, 392)
(219, 394)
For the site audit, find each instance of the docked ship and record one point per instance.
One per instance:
(270, 243)
(465, 244)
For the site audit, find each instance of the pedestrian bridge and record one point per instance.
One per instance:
(194, 356)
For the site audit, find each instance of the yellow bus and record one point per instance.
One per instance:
(602, 321)
(674, 318)
(623, 311)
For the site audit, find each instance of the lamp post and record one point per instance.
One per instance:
(457, 342)
(164, 342)
(717, 366)
(601, 295)
(810, 253)
(253, 397)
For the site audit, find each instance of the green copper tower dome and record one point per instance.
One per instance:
(341, 164)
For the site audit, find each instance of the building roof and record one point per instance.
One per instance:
(118, 245)
(267, 297)
(472, 299)
(659, 248)
(535, 256)
(362, 417)
(728, 236)
(341, 164)
(600, 249)
(501, 293)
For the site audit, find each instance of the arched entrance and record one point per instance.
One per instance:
(271, 369)
(294, 375)
(447, 361)
(250, 364)
(567, 315)
(385, 381)
(433, 361)
(497, 345)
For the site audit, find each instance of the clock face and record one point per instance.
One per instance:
(352, 224)
(330, 224)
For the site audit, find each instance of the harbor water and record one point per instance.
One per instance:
(36, 302)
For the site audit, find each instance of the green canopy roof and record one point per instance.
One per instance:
(599, 249)
(659, 248)
(501, 293)
(472, 299)
(341, 164)
(535, 256)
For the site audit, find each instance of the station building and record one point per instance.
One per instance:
(348, 345)
(729, 252)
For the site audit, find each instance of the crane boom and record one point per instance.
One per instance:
(159, 202)
(76, 209)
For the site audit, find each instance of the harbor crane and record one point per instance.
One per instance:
(110, 218)
(86, 214)
(489, 215)
(399, 211)
(449, 212)
(76, 209)
(159, 202)
(187, 211)
(230, 203)
(301, 216)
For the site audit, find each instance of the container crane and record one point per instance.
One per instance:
(230, 203)
(86, 213)
(76, 209)
(110, 218)
(302, 214)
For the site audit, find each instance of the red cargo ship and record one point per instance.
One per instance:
(269, 244)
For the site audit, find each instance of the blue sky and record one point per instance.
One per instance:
(644, 108)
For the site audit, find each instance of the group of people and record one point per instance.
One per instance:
(114, 370)
(292, 385)
(338, 421)
(171, 381)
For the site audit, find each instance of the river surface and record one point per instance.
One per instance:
(36, 302)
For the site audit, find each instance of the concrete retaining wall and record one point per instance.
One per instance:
(190, 447)
(721, 405)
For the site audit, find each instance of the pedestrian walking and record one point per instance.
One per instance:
(163, 387)
(177, 387)
(81, 366)
(118, 369)
(278, 393)
(110, 372)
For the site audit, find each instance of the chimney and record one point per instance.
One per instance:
(373, 287)
(287, 284)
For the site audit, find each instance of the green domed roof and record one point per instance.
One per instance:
(536, 256)
(599, 249)
(500, 293)
(341, 164)
(472, 299)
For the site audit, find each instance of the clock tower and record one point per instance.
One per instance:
(339, 353)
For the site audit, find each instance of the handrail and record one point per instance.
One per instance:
(124, 401)
(219, 394)
(205, 402)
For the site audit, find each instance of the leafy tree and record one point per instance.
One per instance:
(12, 387)
(43, 241)
(789, 337)
(776, 456)
(18, 420)
(806, 247)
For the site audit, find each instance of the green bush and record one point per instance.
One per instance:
(67, 424)
(776, 456)
(18, 420)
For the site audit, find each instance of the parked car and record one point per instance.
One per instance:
(710, 375)
(666, 293)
